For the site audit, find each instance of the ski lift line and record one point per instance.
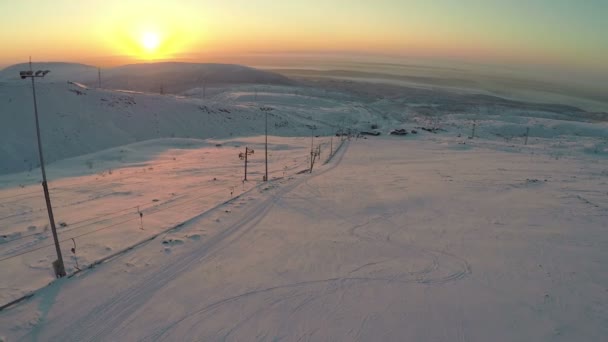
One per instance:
(105, 227)
(64, 240)
(98, 185)
(93, 231)
(124, 176)
(63, 205)
(131, 174)
(147, 206)
(67, 205)
(17, 195)
(136, 170)
(43, 209)
(110, 226)
(107, 216)
(67, 239)
(20, 214)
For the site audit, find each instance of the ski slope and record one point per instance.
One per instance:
(77, 121)
(97, 210)
(430, 236)
(394, 239)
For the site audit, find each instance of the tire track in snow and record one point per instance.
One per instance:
(119, 311)
(312, 290)
(462, 268)
(294, 298)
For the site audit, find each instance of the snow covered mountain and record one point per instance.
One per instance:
(173, 77)
(146, 183)
(77, 120)
(60, 71)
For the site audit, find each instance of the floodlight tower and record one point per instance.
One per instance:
(266, 110)
(312, 139)
(266, 145)
(59, 267)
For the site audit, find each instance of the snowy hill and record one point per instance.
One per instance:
(60, 71)
(493, 212)
(149, 77)
(179, 77)
(77, 120)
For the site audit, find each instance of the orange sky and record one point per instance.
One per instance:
(557, 32)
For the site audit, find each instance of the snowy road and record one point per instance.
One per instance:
(391, 241)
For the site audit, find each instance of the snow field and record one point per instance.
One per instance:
(392, 240)
(167, 180)
(422, 237)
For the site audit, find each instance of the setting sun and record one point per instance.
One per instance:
(150, 41)
(328, 170)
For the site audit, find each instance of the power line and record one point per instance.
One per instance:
(56, 190)
(109, 226)
(75, 223)
(158, 207)
(105, 216)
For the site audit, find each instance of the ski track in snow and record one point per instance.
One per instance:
(360, 264)
(535, 244)
(116, 311)
(314, 290)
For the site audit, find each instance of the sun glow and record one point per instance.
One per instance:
(150, 41)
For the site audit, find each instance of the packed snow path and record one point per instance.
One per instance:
(391, 241)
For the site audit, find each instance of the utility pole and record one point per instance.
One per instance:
(243, 156)
(266, 145)
(266, 110)
(59, 266)
(99, 77)
(314, 155)
(473, 132)
(312, 138)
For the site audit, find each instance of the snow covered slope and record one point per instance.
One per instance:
(97, 198)
(148, 77)
(423, 239)
(76, 120)
(451, 235)
(60, 71)
(178, 77)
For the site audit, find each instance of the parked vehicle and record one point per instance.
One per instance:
(399, 131)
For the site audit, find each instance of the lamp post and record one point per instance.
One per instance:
(266, 145)
(59, 267)
(266, 110)
(312, 139)
(243, 156)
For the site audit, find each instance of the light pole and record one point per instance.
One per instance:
(312, 139)
(243, 156)
(312, 136)
(59, 267)
(266, 145)
(266, 110)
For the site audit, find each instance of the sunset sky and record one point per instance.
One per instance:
(563, 33)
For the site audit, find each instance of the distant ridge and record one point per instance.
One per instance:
(60, 71)
(175, 77)
(178, 77)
